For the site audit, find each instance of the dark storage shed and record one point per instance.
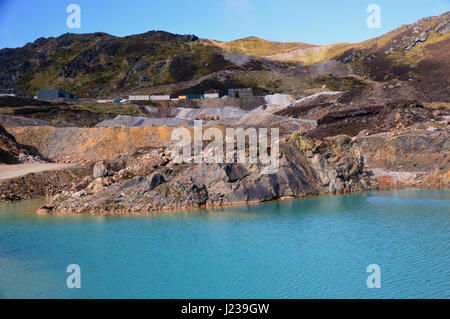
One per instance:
(51, 94)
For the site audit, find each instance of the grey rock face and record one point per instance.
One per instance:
(110, 167)
(152, 182)
(100, 170)
(332, 166)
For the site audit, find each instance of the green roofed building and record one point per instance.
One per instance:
(195, 96)
(240, 92)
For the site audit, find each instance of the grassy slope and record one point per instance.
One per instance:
(316, 54)
(258, 47)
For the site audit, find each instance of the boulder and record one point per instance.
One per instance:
(153, 181)
(100, 170)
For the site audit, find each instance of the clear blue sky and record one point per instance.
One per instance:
(311, 21)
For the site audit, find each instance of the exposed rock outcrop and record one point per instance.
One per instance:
(76, 145)
(415, 157)
(12, 152)
(44, 184)
(306, 168)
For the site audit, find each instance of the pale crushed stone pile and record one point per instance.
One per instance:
(227, 112)
(227, 115)
(131, 121)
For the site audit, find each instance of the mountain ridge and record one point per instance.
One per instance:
(100, 64)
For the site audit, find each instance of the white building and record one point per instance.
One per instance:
(139, 98)
(211, 95)
(160, 98)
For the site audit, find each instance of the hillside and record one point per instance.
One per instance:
(417, 52)
(99, 64)
(259, 47)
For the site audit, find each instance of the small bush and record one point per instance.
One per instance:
(298, 139)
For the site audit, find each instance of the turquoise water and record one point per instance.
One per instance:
(309, 248)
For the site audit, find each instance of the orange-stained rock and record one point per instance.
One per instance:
(90, 144)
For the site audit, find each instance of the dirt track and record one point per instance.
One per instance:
(12, 171)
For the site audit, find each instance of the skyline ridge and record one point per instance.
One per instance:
(285, 21)
(250, 37)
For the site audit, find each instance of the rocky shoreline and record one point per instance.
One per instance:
(151, 182)
(49, 209)
(148, 181)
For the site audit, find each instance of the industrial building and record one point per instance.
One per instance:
(139, 98)
(240, 92)
(159, 97)
(211, 95)
(195, 96)
(149, 98)
(53, 94)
